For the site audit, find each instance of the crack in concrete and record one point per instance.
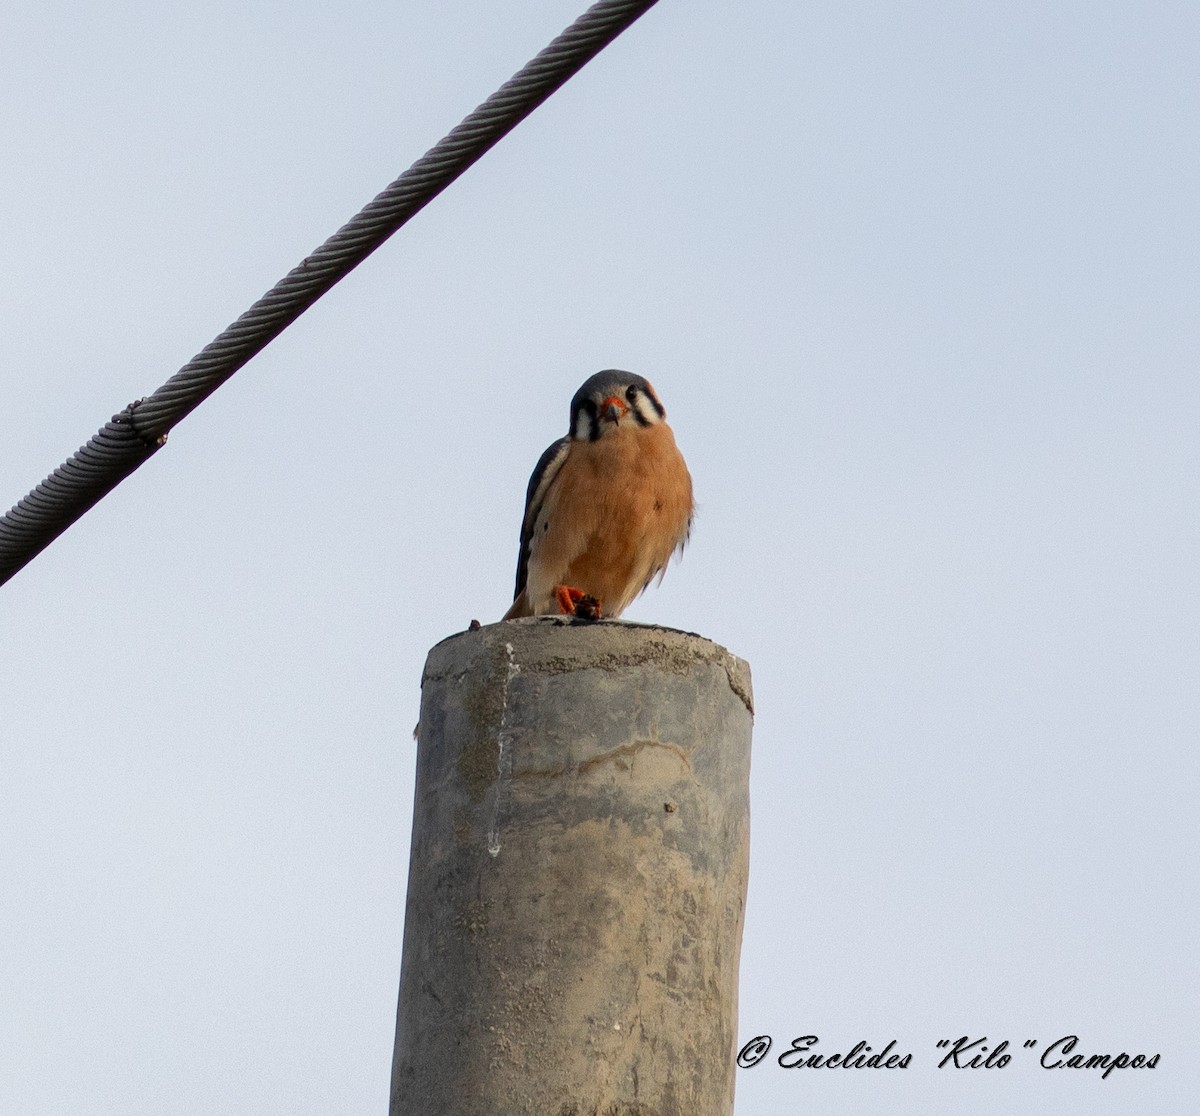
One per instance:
(632, 749)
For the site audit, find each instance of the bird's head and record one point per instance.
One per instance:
(610, 400)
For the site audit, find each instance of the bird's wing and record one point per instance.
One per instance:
(543, 476)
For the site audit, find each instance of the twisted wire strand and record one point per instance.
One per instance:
(137, 432)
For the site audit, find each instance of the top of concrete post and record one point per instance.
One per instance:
(559, 644)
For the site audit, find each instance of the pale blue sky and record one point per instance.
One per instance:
(917, 284)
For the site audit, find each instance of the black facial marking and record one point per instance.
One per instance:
(581, 407)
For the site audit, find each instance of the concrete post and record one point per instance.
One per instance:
(578, 875)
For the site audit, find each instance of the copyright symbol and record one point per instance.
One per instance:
(754, 1051)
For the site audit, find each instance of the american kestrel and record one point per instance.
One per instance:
(606, 506)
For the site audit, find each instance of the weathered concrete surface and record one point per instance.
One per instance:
(578, 874)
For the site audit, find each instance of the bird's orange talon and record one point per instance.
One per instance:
(577, 603)
(566, 597)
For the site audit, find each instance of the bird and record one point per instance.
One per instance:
(606, 507)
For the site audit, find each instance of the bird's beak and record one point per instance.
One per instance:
(613, 408)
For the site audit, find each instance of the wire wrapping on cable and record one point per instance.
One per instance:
(138, 431)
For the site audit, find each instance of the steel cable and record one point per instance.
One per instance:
(138, 431)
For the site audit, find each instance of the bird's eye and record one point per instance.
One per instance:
(631, 392)
(589, 405)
